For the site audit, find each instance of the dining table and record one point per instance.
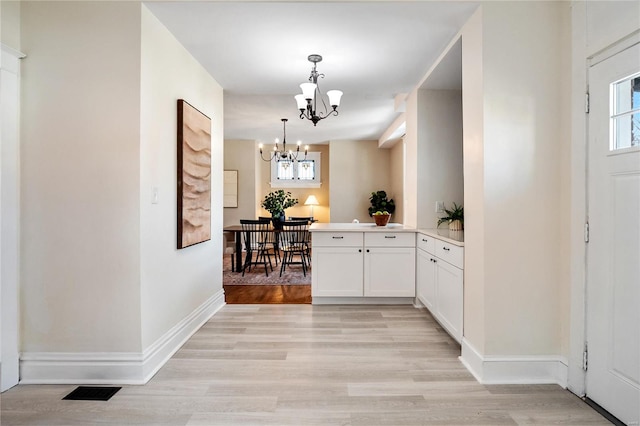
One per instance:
(237, 236)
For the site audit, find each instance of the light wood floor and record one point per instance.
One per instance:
(309, 365)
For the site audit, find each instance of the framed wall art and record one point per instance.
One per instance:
(194, 176)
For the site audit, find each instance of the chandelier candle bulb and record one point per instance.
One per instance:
(285, 155)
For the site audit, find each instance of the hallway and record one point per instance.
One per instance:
(309, 365)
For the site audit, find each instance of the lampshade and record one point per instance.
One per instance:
(334, 97)
(308, 90)
(311, 201)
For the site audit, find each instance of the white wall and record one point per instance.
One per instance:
(173, 282)
(396, 158)
(439, 153)
(80, 172)
(513, 173)
(358, 168)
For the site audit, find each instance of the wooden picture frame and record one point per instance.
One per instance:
(194, 176)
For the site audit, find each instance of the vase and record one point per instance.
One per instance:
(455, 225)
(277, 221)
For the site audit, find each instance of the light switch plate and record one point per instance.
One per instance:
(439, 206)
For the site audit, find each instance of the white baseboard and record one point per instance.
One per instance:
(115, 367)
(516, 369)
(361, 300)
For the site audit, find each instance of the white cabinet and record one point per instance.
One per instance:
(440, 282)
(426, 279)
(336, 271)
(389, 265)
(363, 264)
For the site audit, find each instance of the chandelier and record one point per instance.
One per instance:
(278, 154)
(311, 92)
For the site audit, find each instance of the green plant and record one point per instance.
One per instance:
(276, 202)
(455, 213)
(379, 202)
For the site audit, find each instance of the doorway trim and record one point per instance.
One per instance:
(581, 63)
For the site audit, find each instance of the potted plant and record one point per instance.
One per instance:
(381, 208)
(380, 203)
(454, 217)
(276, 202)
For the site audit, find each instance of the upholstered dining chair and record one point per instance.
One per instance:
(294, 241)
(256, 235)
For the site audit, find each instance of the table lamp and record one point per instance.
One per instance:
(311, 201)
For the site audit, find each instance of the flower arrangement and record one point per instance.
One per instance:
(276, 202)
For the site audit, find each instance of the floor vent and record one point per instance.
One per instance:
(92, 393)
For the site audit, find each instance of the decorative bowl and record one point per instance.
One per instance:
(381, 219)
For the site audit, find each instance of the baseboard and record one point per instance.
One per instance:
(115, 367)
(516, 369)
(361, 300)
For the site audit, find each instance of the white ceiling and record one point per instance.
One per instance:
(372, 51)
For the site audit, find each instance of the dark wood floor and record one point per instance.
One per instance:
(249, 294)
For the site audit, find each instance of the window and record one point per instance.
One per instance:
(297, 174)
(625, 113)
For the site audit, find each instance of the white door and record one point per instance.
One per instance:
(426, 279)
(613, 251)
(9, 215)
(336, 272)
(390, 272)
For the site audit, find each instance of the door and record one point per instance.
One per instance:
(390, 272)
(426, 280)
(9, 215)
(336, 271)
(450, 295)
(613, 251)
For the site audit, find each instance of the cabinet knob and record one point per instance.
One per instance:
(446, 249)
(367, 250)
(359, 250)
(425, 240)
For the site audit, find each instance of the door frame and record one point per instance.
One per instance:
(10, 216)
(581, 63)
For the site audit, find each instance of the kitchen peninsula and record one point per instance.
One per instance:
(361, 263)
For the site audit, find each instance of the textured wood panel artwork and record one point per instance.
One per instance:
(194, 176)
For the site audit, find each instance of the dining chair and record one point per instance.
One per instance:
(255, 234)
(272, 240)
(309, 220)
(293, 241)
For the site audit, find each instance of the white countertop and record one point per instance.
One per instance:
(453, 237)
(359, 227)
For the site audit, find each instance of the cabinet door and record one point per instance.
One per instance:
(390, 272)
(449, 298)
(426, 280)
(336, 272)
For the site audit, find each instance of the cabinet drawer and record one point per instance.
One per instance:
(450, 253)
(426, 243)
(337, 239)
(389, 239)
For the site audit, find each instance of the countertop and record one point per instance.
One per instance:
(453, 237)
(359, 227)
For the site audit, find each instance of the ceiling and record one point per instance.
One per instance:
(372, 51)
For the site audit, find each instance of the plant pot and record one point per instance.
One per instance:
(455, 225)
(277, 221)
(381, 219)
